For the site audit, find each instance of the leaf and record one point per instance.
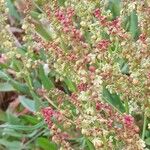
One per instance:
(38, 102)
(114, 100)
(47, 83)
(147, 141)
(35, 15)
(27, 103)
(45, 144)
(11, 145)
(6, 87)
(134, 24)
(43, 32)
(13, 133)
(124, 67)
(30, 119)
(20, 87)
(3, 116)
(23, 127)
(4, 76)
(11, 118)
(90, 144)
(87, 36)
(71, 85)
(12, 10)
(114, 6)
(61, 2)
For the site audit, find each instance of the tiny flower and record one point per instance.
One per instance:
(103, 44)
(82, 87)
(97, 13)
(97, 142)
(2, 58)
(98, 106)
(92, 68)
(128, 120)
(142, 143)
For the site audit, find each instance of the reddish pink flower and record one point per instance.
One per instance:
(48, 113)
(128, 120)
(2, 58)
(97, 13)
(72, 57)
(142, 38)
(103, 44)
(92, 68)
(98, 106)
(82, 87)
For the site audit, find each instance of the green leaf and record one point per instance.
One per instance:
(114, 100)
(71, 85)
(20, 87)
(30, 119)
(3, 116)
(11, 118)
(35, 15)
(46, 144)
(23, 127)
(13, 133)
(27, 103)
(61, 2)
(11, 145)
(12, 10)
(89, 144)
(147, 141)
(6, 87)
(47, 83)
(114, 7)
(124, 67)
(43, 32)
(38, 102)
(4, 76)
(134, 29)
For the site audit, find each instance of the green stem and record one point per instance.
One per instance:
(144, 126)
(52, 103)
(127, 106)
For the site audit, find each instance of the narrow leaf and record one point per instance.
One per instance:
(134, 25)
(47, 83)
(71, 85)
(113, 99)
(45, 144)
(61, 2)
(12, 10)
(43, 32)
(6, 87)
(27, 103)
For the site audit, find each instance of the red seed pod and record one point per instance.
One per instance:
(98, 106)
(136, 129)
(97, 13)
(92, 68)
(82, 87)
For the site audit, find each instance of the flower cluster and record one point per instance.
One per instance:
(92, 64)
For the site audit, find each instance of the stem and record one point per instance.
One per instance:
(51, 102)
(144, 126)
(33, 138)
(127, 106)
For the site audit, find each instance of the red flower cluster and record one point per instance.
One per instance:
(65, 19)
(128, 120)
(103, 45)
(48, 113)
(100, 17)
(82, 87)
